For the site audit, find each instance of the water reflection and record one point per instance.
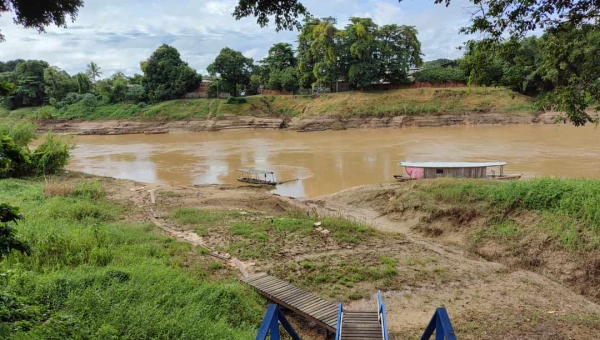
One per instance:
(327, 162)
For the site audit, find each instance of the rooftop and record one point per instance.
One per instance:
(256, 172)
(450, 164)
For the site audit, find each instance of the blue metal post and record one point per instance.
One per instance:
(338, 326)
(270, 324)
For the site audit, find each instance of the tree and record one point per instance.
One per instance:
(399, 50)
(29, 81)
(39, 14)
(232, 67)
(113, 88)
(8, 239)
(10, 65)
(280, 57)
(93, 71)
(84, 84)
(289, 79)
(285, 12)
(136, 79)
(58, 83)
(166, 76)
(364, 64)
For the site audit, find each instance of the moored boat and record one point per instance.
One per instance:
(253, 176)
(427, 170)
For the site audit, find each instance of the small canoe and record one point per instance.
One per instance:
(255, 181)
(401, 178)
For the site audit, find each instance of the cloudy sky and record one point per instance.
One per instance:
(118, 34)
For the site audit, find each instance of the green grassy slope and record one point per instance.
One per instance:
(94, 275)
(423, 101)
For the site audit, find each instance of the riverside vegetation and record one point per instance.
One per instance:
(423, 101)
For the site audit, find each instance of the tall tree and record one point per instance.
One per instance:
(281, 57)
(8, 239)
(93, 71)
(30, 86)
(399, 50)
(84, 84)
(58, 83)
(364, 64)
(166, 76)
(39, 14)
(232, 67)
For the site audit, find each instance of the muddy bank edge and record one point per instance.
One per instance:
(300, 124)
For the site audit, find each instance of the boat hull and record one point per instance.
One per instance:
(256, 181)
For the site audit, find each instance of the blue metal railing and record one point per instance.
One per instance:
(382, 319)
(440, 323)
(270, 324)
(338, 325)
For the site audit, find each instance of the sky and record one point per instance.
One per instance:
(118, 34)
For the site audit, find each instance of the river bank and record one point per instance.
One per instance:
(117, 250)
(225, 123)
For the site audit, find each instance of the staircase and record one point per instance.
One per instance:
(361, 325)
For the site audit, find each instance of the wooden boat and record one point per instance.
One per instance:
(253, 176)
(401, 178)
(426, 170)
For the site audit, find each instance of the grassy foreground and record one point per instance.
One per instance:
(94, 275)
(424, 101)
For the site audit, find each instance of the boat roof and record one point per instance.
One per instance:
(450, 164)
(256, 172)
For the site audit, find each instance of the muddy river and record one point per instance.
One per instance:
(329, 161)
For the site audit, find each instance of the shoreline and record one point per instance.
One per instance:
(299, 124)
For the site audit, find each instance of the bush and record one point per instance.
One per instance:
(236, 100)
(72, 98)
(22, 133)
(14, 160)
(142, 105)
(89, 101)
(135, 93)
(51, 156)
(440, 75)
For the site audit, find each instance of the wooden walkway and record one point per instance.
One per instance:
(301, 302)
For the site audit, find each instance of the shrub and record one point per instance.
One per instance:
(8, 239)
(135, 93)
(22, 133)
(142, 105)
(51, 156)
(14, 160)
(439, 75)
(72, 98)
(89, 101)
(236, 100)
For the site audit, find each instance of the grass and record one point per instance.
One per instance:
(94, 275)
(567, 209)
(424, 101)
(343, 277)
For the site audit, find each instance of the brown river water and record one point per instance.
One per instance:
(330, 161)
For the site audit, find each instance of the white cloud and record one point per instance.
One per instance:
(119, 34)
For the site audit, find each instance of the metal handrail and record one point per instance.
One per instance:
(338, 326)
(382, 318)
(440, 323)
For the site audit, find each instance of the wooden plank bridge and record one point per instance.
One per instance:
(301, 302)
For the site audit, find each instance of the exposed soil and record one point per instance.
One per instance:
(485, 300)
(221, 123)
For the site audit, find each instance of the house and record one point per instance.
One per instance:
(202, 90)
